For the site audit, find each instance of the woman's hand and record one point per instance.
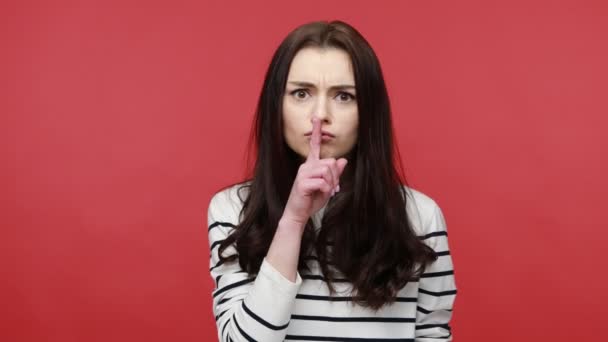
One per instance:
(317, 180)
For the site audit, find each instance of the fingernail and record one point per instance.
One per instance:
(338, 188)
(333, 192)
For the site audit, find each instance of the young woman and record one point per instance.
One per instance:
(325, 241)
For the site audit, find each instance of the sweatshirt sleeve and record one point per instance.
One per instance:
(437, 287)
(246, 307)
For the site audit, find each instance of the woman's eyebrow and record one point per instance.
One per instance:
(311, 85)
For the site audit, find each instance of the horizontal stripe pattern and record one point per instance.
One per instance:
(354, 319)
(433, 234)
(262, 321)
(346, 298)
(223, 224)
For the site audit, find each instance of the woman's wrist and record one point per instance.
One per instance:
(289, 224)
(284, 250)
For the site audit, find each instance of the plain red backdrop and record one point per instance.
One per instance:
(120, 119)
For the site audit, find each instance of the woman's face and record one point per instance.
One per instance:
(321, 84)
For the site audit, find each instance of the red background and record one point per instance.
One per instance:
(120, 119)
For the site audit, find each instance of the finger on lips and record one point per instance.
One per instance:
(315, 140)
(314, 154)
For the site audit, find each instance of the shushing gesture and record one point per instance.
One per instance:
(316, 181)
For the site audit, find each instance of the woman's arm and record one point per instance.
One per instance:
(316, 181)
(246, 307)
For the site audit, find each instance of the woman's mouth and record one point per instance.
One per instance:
(324, 137)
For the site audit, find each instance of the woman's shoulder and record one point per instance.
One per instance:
(233, 194)
(422, 210)
(230, 199)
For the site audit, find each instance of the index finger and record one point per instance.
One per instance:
(315, 140)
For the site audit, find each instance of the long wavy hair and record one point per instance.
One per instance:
(366, 236)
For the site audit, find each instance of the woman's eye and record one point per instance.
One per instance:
(300, 94)
(345, 97)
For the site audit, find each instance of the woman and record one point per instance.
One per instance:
(325, 242)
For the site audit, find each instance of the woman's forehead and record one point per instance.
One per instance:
(322, 67)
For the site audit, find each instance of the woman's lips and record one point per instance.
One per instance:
(324, 136)
(322, 132)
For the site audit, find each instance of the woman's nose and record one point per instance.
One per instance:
(321, 111)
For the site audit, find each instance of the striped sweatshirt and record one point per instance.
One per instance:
(267, 307)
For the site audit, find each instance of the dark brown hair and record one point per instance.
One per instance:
(366, 236)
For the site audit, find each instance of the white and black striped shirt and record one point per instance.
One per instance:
(268, 307)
